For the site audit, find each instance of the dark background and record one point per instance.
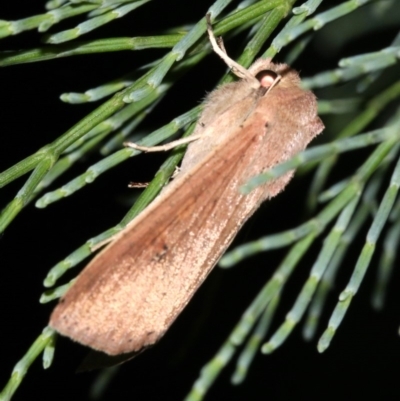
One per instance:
(363, 358)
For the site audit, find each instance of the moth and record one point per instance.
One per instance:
(132, 291)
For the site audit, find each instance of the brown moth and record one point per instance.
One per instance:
(132, 291)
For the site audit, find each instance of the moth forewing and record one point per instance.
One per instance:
(134, 289)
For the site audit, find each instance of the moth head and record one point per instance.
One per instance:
(267, 73)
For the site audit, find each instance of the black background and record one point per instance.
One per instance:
(363, 358)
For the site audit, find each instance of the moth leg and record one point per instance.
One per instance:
(164, 148)
(236, 68)
(134, 184)
(106, 241)
(176, 172)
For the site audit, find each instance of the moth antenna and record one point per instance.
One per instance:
(221, 45)
(236, 68)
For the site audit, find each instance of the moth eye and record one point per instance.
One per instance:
(266, 78)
